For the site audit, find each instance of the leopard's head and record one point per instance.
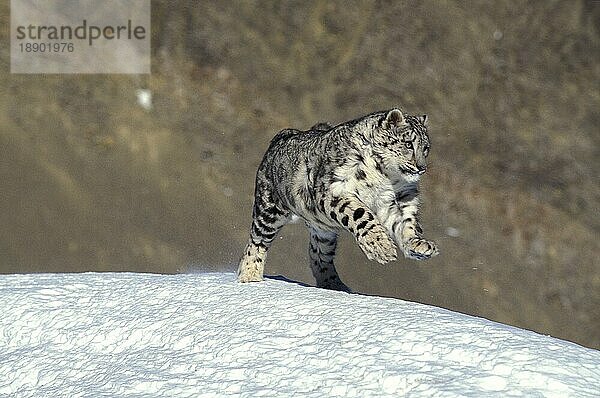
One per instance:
(400, 144)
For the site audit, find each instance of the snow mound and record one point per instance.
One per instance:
(141, 335)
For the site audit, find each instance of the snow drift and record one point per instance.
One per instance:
(138, 335)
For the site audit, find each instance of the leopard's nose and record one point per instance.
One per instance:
(422, 170)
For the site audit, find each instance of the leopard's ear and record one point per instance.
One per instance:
(394, 118)
(423, 119)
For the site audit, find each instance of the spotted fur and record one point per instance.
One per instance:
(360, 176)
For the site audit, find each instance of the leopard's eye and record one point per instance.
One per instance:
(426, 151)
(408, 145)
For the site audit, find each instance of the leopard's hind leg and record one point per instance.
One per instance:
(268, 217)
(321, 253)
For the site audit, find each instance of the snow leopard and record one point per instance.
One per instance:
(359, 176)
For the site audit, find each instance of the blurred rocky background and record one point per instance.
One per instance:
(154, 173)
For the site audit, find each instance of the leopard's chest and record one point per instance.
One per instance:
(364, 181)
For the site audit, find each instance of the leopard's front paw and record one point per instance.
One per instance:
(377, 245)
(420, 249)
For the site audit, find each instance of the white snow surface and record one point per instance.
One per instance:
(205, 335)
